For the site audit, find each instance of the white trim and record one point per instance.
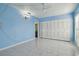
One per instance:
(16, 44)
(38, 30)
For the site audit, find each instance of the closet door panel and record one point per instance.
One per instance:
(43, 29)
(40, 29)
(49, 29)
(53, 29)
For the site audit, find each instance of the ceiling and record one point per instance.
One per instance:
(45, 9)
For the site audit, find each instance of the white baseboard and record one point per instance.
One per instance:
(16, 44)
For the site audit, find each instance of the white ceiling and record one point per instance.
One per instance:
(45, 9)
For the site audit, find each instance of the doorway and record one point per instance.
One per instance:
(36, 30)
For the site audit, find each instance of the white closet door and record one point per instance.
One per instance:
(44, 30)
(65, 32)
(56, 29)
(61, 29)
(52, 29)
(40, 30)
(49, 29)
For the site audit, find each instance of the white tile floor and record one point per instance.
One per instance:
(41, 47)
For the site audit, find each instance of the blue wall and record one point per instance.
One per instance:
(49, 18)
(13, 26)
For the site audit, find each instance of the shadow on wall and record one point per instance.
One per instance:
(13, 27)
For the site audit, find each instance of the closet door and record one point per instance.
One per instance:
(61, 29)
(40, 29)
(44, 30)
(49, 29)
(56, 29)
(53, 29)
(65, 32)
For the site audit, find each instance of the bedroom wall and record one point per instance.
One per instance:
(13, 27)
